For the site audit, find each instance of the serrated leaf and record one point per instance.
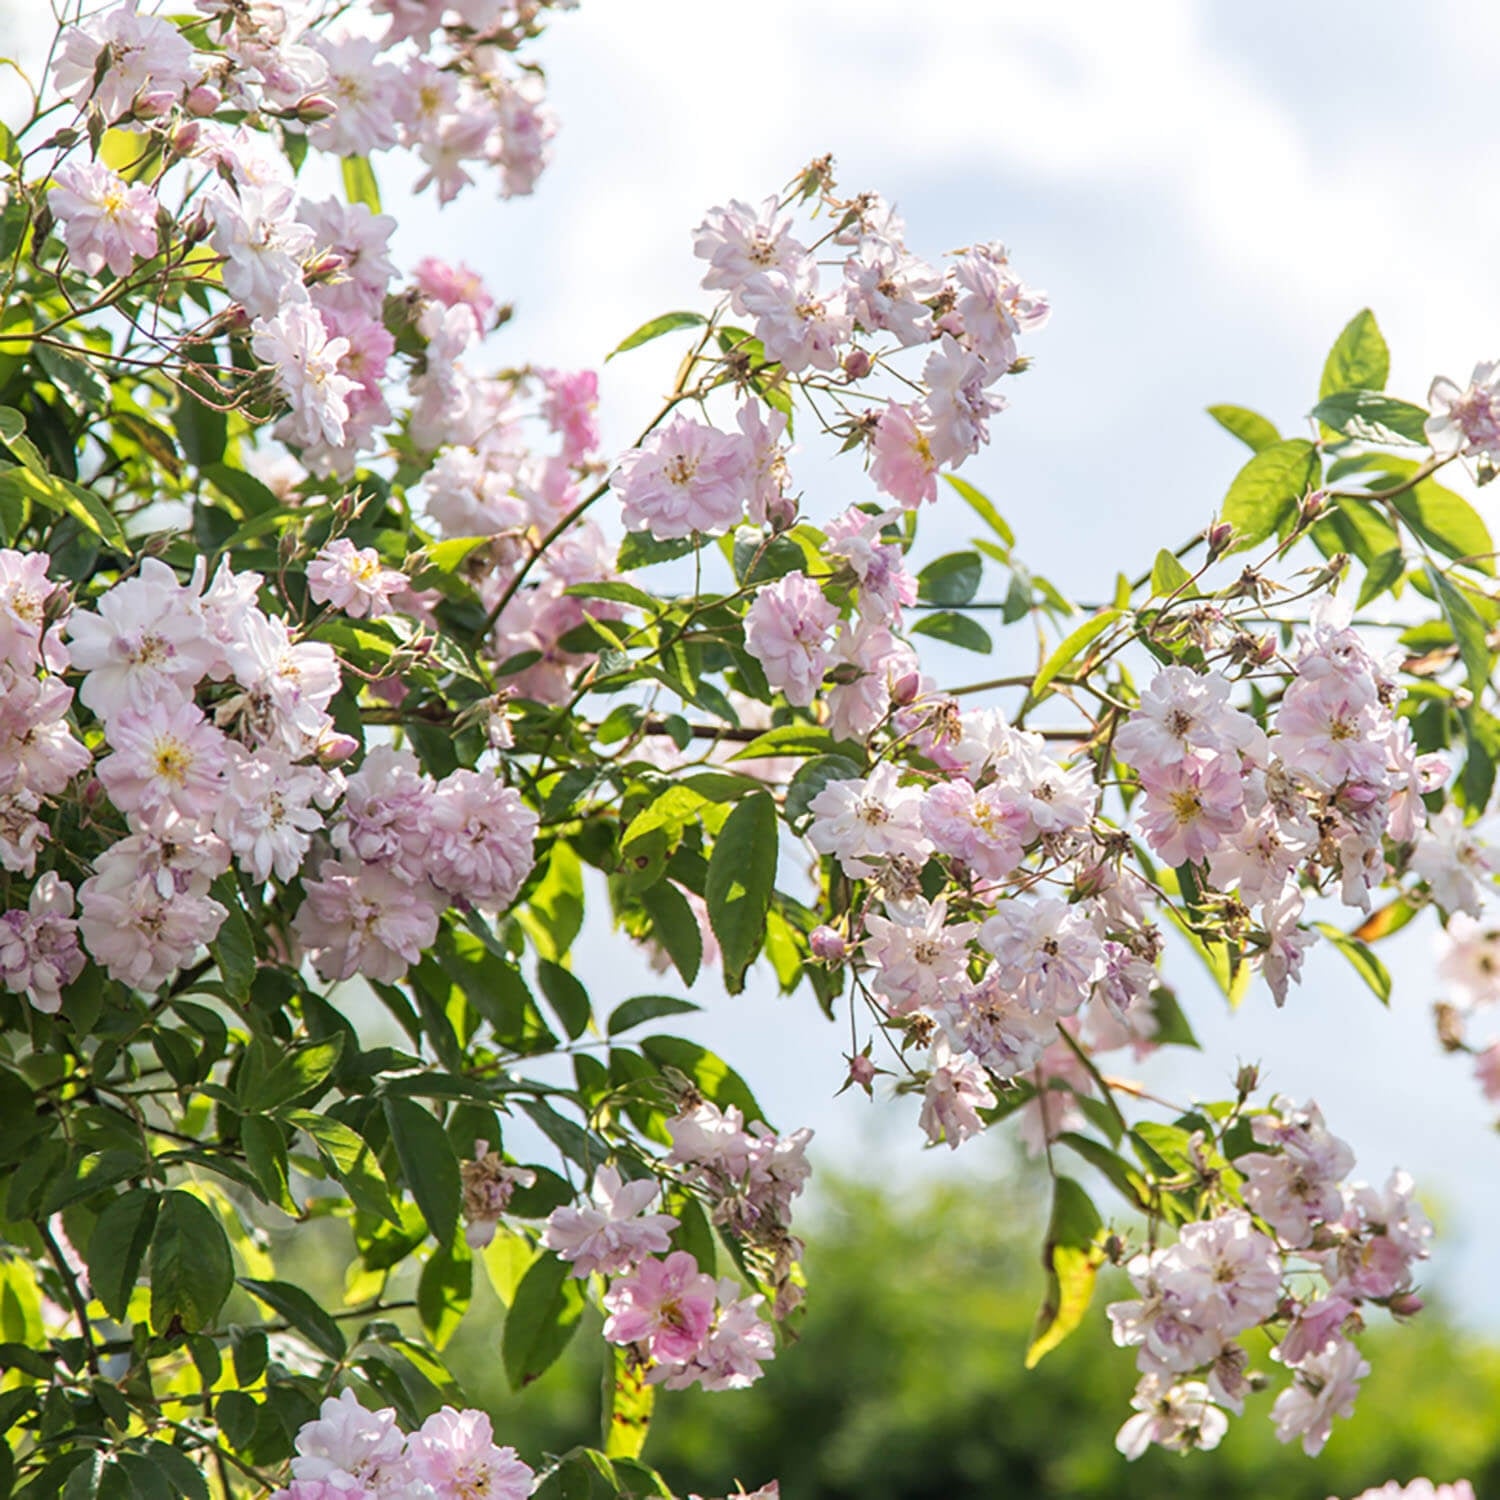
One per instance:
(302, 1312)
(1266, 491)
(192, 1269)
(542, 1318)
(118, 1246)
(741, 877)
(956, 630)
(666, 323)
(1073, 1261)
(1359, 359)
(641, 1008)
(1252, 429)
(428, 1164)
(1371, 417)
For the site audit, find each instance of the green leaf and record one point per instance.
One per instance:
(1071, 648)
(1073, 1261)
(1359, 359)
(647, 1008)
(956, 630)
(568, 998)
(359, 182)
(741, 876)
(265, 1155)
(233, 946)
(1447, 523)
(1265, 492)
(1382, 573)
(444, 1290)
(626, 1413)
(1361, 960)
(118, 1246)
(348, 1157)
(302, 1312)
(1168, 576)
(12, 424)
(984, 509)
(675, 926)
(1370, 417)
(1252, 429)
(787, 739)
(428, 1164)
(191, 1267)
(63, 498)
(639, 549)
(542, 1318)
(666, 323)
(299, 1072)
(1468, 629)
(1172, 1029)
(953, 579)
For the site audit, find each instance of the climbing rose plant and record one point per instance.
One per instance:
(339, 667)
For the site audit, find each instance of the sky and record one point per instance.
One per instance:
(1208, 192)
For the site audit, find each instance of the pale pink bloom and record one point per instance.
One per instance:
(1324, 1386)
(985, 829)
(1466, 421)
(1487, 1070)
(366, 920)
(1000, 1030)
(480, 840)
(888, 289)
(361, 240)
(686, 477)
(348, 1440)
(337, 1487)
(666, 1305)
(1047, 953)
(1287, 941)
(715, 1139)
(957, 1089)
(177, 856)
(1191, 806)
(1179, 1417)
(915, 956)
(864, 822)
(884, 584)
(1185, 711)
(958, 405)
(140, 936)
(1227, 1270)
(24, 592)
(146, 645)
(353, 579)
(1317, 1325)
(1261, 854)
(762, 430)
(524, 127)
(268, 813)
(167, 757)
(740, 243)
(455, 1453)
(489, 1182)
(786, 631)
(263, 243)
(857, 708)
(296, 347)
(754, 1174)
(1174, 1332)
(800, 327)
(570, 408)
(1391, 1233)
(39, 952)
(386, 816)
(22, 833)
(287, 684)
(902, 462)
(461, 135)
(1420, 1489)
(452, 282)
(227, 602)
(1470, 960)
(150, 63)
(612, 1232)
(1458, 860)
(732, 1355)
(105, 220)
(37, 748)
(365, 90)
(1058, 799)
(1331, 730)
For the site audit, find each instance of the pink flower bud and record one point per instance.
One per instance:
(861, 1070)
(315, 107)
(335, 747)
(827, 945)
(203, 100)
(1220, 538)
(905, 689)
(1313, 504)
(950, 322)
(1406, 1304)
(857, 364)
(185, 137)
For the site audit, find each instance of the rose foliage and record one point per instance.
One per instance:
(337, 664)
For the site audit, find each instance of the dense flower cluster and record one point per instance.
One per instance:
(1247, 1269)
(349, 1452)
